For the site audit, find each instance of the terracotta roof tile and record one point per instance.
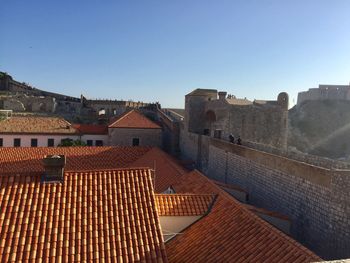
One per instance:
(36, 125)
(29, 159)
(183, 204)
(91, 216)
(134, 119)
(230, 232)
(91, 129)
(168, 171)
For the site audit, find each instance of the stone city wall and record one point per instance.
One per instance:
(325, 92)
(314, 198)
(259, 121)
(300, 156)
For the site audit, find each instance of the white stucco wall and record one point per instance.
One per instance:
(26, 139)
(42, 139)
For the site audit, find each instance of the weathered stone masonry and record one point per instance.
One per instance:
(315, 199)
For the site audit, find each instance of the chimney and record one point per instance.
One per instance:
(222, 95)
(54, 168)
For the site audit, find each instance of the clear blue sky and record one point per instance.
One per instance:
(161, 50)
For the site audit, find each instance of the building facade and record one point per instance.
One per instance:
(214, 114)
(325, 92)
(134, 129)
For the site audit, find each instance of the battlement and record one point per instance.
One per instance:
(325, 92)
(21, 97)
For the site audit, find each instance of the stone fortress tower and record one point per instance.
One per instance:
(215, 114)
(325, 92)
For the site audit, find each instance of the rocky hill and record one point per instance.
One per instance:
(321, 128)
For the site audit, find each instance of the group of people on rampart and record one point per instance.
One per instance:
(232, 139)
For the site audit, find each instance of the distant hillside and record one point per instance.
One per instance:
(321, 128)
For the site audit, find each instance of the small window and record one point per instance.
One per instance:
(34, 142)
(16, 142)
(99, 143)
(89, 142)
(1, 142)
(50, 142)
(135, 142)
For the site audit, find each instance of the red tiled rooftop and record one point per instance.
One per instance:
(183, 204)
(135, 120)
(167, 169)
(29, 159)
(230, 232)
(100, 216)
(91, 128)
(36, 125)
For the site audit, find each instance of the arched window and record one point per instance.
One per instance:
(101, 111)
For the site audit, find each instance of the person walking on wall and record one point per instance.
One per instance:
(231, 138)
(239, 141)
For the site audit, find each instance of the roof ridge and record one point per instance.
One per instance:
(185, 194)
(230, 186)
(134, 119)
(121, 117)
(172, 161)
(109, 170)
(264, 224)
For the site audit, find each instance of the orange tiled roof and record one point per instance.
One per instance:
(29, 159)
(36, 125)
(91, 129)
(104, 216)
(183, 204)
(167, 169)
(230, 232)
(135, 120)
